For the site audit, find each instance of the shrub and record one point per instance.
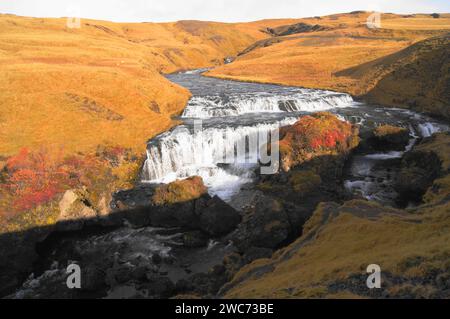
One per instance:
(314, 135)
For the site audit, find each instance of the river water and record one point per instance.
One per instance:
(232, 113)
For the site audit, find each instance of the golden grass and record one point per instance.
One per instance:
(346, 245)
(115, 67)
(75, 91)
(179, 191)
(387, 129)
(313, 59)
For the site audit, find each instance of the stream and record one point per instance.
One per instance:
(231, 114)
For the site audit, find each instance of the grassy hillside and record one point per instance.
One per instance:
(79, 104)
(322, 55)
(100, 83)
(417, 77)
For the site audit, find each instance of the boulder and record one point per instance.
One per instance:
(386, 138)
(265, 225)
(75, 210)
(216, 217)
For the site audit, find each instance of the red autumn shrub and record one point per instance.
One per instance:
(314, 135)
(319, 131)
(35, 178)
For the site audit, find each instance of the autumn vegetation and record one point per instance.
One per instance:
(319, 134)
(403, 63)
(330, 259)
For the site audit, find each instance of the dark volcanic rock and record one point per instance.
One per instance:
(388, 138)
(419, 170)
(205, 284)
(158, 286)
(265, 225)
(195, 239)
(295, 28)
(216, 217)
(211, 215)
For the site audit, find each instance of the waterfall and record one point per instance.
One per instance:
(427, 129)
(236, 104)
(183, 152)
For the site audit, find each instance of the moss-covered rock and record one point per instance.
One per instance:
(388, 137)
(304, 182)
(179, 191)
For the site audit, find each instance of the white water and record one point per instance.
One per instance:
(182, 153)
(233, 105)
(362, 165)
(428, 129)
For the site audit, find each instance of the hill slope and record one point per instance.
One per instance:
(59, 83)
(417, 77)
(96, 92)
(341, 53)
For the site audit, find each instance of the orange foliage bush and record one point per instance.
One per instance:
(319, 131)
(314, 135)
(35, 178)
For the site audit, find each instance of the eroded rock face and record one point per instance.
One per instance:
(74, 209)
(266, 225)
(185, 204)
(313, 153)
(295, 28)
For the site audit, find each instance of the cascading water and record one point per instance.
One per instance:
(376, 184)
(237, 104)
(185, 152)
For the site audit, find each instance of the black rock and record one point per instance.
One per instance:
(195, 239)
(216, 217)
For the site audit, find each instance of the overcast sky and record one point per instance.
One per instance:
(216, 10)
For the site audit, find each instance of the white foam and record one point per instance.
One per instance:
(182, 153)
(233, 105)
(428, 129)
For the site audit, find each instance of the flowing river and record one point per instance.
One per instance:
(231, 114)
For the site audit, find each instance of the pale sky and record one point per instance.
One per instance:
(212, 10)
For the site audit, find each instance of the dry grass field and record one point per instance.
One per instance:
(101, 83)
(317, 59)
